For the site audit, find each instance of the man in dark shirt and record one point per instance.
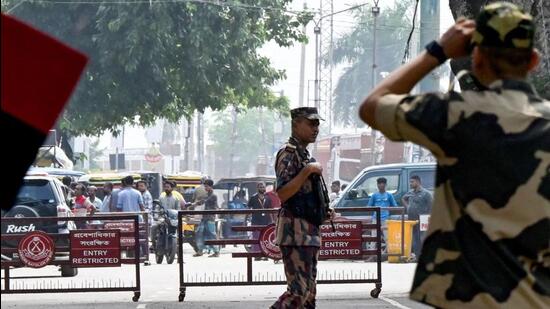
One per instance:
(418, 202)
(259, 201)
(207, 227)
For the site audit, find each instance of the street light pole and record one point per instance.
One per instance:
(317, 92)
(375, 12)
(317, 31)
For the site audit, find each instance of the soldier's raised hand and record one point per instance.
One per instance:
(456, 40)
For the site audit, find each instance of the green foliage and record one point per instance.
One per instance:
(255, 136)
(355, 50)
(167, 59)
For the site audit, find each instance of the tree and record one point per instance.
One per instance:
(165, 59)
(541, 12)
(355, 50)
(254, 136)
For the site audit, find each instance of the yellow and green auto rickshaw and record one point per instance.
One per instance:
(99, 180)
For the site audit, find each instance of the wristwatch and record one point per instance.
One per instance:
(433, 48)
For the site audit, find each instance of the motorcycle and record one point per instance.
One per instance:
(166, 222)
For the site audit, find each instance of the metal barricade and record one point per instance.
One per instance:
(77, 249)
(127, 243)
(366, 276)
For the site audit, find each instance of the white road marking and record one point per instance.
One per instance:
(394, 303)
(141, 306)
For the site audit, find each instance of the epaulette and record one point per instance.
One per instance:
(289, 147)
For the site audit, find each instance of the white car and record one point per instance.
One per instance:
(41, 196)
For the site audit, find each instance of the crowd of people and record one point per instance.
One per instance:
(135, 197)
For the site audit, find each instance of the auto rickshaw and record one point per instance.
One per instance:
(99, 180)
(236, 192)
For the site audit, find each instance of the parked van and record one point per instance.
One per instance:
(362, 187)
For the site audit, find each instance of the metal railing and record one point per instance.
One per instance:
(249, 279)
(62, 243)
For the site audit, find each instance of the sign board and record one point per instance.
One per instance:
(343, 243)
(126, 228)
(36, 249)
(170, 149)
(267, 242)
(95, 248)
(121, 158)
(424, 222)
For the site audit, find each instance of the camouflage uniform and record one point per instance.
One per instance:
(298, 239)
(488, 242)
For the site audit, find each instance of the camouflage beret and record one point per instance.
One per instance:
(502, 24)
(310, 113)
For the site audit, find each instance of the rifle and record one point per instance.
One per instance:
(318, 216)
(320, 187)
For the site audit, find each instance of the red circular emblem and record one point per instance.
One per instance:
(36, 249)
(267, 243)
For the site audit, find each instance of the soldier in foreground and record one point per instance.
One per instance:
(488, 242)
(302, 211)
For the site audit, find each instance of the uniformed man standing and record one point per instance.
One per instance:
(488, 241)
(298, 238)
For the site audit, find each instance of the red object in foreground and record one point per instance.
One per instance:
(267, 240)
(36, 249)
(39, 74)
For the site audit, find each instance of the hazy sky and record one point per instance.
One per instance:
(288, 59)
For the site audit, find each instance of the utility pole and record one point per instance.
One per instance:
(429, 30)
(375, 12)
(233, 140)
(317, 31)
(317, 91)
(302, 68)
(326, 48)
(187, 132)
(200, 141)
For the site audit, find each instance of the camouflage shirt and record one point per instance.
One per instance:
(488, 244)
(292, 231)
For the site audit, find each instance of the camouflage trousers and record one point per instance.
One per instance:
(301, 273)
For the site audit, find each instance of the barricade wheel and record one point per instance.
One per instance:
(136, 296)
(375, 292)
